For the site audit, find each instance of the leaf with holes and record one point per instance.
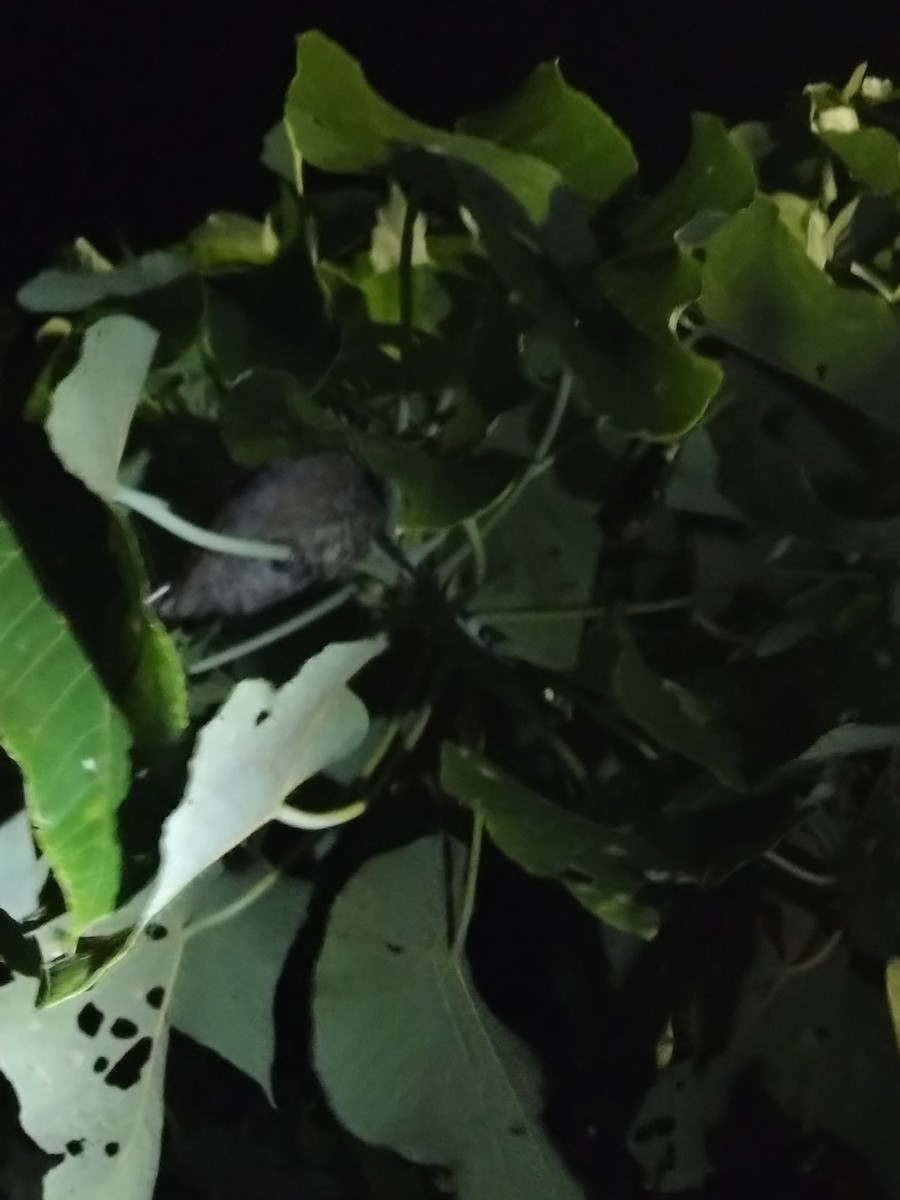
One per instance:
(261, 745)
(408, 1054)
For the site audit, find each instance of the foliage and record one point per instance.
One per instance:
(628, 630)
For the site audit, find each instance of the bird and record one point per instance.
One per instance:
(322, 506)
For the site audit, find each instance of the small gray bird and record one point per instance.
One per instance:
(322, 506)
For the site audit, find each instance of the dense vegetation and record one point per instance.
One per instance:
(588, 887)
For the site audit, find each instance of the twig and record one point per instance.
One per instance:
(275, 634)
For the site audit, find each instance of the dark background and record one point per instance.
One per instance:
(134, 120)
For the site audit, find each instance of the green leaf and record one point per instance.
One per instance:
(554, 122)
(93, 405)
(409, 1055)
(872, 156)
(436, 493)
(272, 316)
(549, 841)
(230, 239)
(892, 988)
(338, 123)
(673, 716)
(542, 557)
(717, 177)
(225, 990)
(261, 745)
(762, 294)
(63, 289)
(152, 692)
(69, 740)
(267, 414)
(648, 385)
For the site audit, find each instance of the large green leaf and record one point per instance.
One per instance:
(68, 738)
(408, 1054)
(435, 492)
(550, 841)
(645, 381)
(225, 990)
(762, 294)
(94, 405)
(338, 123)
(541, 560)
(717, 177)
(554, 122)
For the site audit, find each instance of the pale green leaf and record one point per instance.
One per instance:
(230, 969)
(67, 737)
(409, 1055)
(72, 289)
(93, 406)
(261, 745)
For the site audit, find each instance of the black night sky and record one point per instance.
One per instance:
(134, 120)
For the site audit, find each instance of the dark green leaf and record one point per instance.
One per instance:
(549, 841)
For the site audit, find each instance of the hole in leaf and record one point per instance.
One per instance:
(155, 997)
(76, 1146)
(101, 1064)
(157, 932)
(123, 1028)
(127, 1071)
(262, 715)
(112, 1149)
(90, 1019)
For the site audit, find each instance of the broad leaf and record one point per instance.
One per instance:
(675, 717)
(717, 176)
(408, 1054)
(338, 123)
(549, 841)
(68, 738)
(552, 121)
(541, 560)
(762, 294)
(230, 968)
(261, 745)
(93, 406)
(73, 289)
(88, 1074)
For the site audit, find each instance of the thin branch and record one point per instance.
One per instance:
(467, 908)
(275, 634)
(817, 878)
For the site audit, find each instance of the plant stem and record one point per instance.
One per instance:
(158, 511)
(299, 818)
(467, 908)
(541, 461)
(817, 878)
(275, 634)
